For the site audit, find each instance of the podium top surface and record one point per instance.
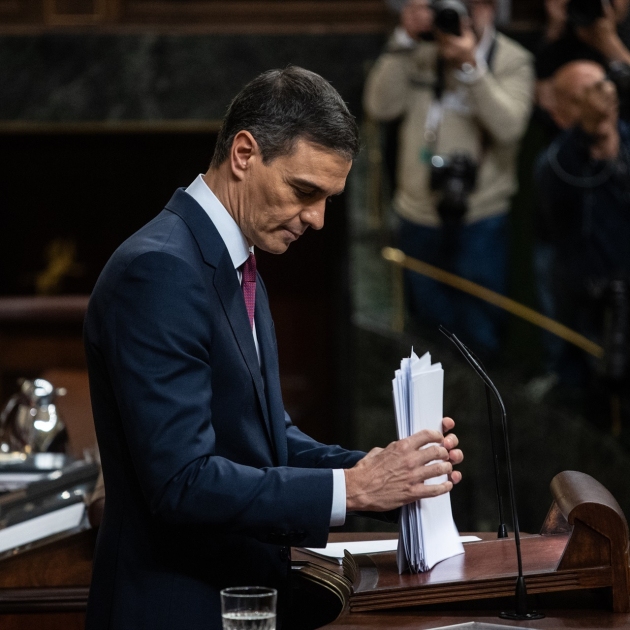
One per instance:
(569, 611)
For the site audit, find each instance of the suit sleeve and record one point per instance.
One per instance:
(156, 344)
(387, 88)
(304, 451)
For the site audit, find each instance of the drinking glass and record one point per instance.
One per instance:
(248, 608)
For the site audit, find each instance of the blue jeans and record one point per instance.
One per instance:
(477, 252)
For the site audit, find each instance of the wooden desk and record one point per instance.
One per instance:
(46, 587)
(569, 611)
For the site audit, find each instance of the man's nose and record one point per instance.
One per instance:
(313, 215)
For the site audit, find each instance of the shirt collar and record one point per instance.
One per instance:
(227, 227)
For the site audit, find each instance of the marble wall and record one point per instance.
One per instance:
(84, 77)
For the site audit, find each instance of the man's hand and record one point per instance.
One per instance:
(602, 36)
(598, 118)
(457, 49)
(556, 11)
(387, 478)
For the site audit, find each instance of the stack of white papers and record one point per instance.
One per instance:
(335, 551)
(427, 532)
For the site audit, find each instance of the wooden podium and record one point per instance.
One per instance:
(583, 544)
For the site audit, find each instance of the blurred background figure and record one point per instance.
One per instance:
(581, 29)
(584, 188)
(464, 93)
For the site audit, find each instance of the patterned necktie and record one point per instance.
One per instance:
(249, 287)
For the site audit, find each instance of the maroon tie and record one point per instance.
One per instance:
(249, 287)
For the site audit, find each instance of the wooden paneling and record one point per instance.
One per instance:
(20, 12)
(75, 12)
(216, 16)
(194, 16)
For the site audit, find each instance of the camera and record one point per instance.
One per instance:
(449, 15)
(455, 176)
(585, 12)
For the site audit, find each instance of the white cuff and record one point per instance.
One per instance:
(338, 511)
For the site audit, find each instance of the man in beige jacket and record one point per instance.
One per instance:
(467, 94)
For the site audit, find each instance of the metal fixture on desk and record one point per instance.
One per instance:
(30, 422)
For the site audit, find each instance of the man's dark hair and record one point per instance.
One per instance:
(281, 106)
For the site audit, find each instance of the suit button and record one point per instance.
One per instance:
(285, 554)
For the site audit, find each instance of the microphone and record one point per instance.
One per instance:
(520, 613)
(502, 531)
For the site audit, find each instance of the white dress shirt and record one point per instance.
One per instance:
(239, 251)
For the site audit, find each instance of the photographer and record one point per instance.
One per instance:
(584, 188)
(464, 93)
(579, 29)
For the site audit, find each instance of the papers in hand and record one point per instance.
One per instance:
(427, 532)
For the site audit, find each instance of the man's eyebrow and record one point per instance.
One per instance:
(299, 181)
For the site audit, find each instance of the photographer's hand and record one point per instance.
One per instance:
(556, 18)
(458, 50)
(602, 36)
(598, 118)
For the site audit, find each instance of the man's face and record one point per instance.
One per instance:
(571, 83)
(288, 195)
(417, 17)
(482, 14)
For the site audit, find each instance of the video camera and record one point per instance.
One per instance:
(585, 12)
(449, 15)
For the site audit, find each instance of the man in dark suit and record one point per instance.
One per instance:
(208, 483)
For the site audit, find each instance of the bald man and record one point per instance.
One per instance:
(567, 41)
(583, 96)
(584, 186)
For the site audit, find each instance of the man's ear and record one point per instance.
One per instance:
(244, 149)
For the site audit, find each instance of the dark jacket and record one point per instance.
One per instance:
(207, 480)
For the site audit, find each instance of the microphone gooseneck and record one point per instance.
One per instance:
(502, 531)
(521, 612)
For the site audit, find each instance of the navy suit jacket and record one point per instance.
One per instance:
(207, 480)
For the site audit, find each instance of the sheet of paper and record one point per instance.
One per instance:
(335, 551)
(427, 530)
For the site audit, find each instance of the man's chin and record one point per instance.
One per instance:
(278, 243)
(275, 247)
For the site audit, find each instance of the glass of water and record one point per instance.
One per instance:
(249, 608)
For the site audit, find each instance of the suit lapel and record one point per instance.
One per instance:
(215, 254)
(231, 296)
(269, 359)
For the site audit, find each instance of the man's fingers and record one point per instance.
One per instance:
(447, 424)
(432, 453)
(422, 438)
(426, 491)
(451, 441)
(456, 456)
(455, 476)
(438, 469)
